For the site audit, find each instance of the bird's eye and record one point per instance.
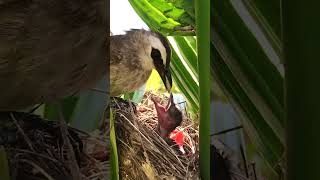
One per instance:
(155, 53)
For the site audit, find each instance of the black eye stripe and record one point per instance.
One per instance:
(156, 56)
(157, 60)
(166, 44)
(155, 53)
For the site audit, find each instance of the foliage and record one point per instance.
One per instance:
(245, 62)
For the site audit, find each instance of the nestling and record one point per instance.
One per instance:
(50, 49)
(134, 56)
(169, 117)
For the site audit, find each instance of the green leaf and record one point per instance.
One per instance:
(4, 166)
(88, 111)
(114, 160)
(135, 96)
(266, 15)
(247, 71)
(68, 104)
(185, 82)
(163, 17)
(257, 129)
(268, 12)
(186, 47)
(250, 79)
(187, 5)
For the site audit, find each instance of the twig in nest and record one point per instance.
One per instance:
(73, 165)
(25, 137)
(39, 155)
(141, 147)
(42, 171)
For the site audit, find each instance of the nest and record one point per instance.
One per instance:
(37, 149)
(143, 154)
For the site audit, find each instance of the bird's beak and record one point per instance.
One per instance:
(159, 108)
(166, 79)
(170, 101)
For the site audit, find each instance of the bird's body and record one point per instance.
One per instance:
(169, 117)
(50, 49)
(56, 48)
(132, 61)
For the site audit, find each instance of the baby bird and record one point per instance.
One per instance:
(169, 117)
(134, 56)
(50, 49)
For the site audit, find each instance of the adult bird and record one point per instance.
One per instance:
(50, 49)
(133, 57)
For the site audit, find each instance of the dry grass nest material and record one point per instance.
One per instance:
(143, 154)
(36, 149)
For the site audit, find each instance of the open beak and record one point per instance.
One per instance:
(159, 108)
(169, 117)
(170, 101)
(166, 79)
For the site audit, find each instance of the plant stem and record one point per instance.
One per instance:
(202, 9)
(302, 70)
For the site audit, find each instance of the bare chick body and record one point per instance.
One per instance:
(134, 56)
(50, 49)
(169, 117)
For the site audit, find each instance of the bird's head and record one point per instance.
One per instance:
(169, 117)
(160, 53)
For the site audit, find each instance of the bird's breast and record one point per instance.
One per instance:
(124, 79)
